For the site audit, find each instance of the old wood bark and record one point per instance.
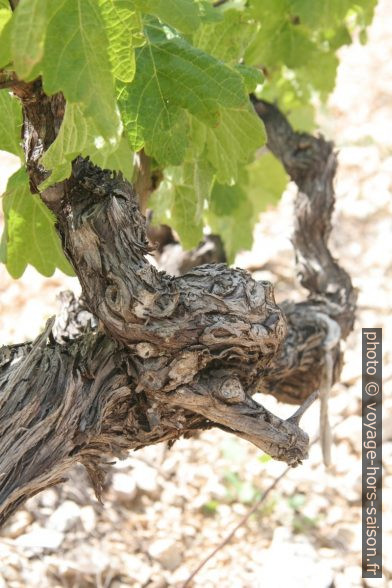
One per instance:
(170, 354)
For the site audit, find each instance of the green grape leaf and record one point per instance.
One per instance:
(78, 135)
(286, 43)
(365, 11)
(234, 141)
(268, 13)
(234, 210)
(11, 120)
(121, 159)
(225, 199)
(266, 181)
(28, 36)
(320, 72)
(230, 216)
(69, 143)
(6, 23)
(30, 236)
(124, 31)
(183, 15)
(5, 13)
(161, 200)
(183, 213)
(320, 14)
(76, 62)
(171, 77)
(303, 118)
(179, 200)
(198, 176)
(227, 39)
(208, 12)
(252, 77)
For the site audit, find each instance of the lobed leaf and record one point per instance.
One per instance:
(234, 141)
(29, 235)
(234, 210)
(124, 31)
(266, 181)
(28, 37)
(78, 135)
(173, 77)
(228, 38)
(76, 62)
(181, 197)
(10, 124)
(230, 216)
(5, 33)
(183, 15)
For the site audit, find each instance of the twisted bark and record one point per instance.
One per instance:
(316, 325)
(170, 354)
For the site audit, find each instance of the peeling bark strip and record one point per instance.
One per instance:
(171, 354)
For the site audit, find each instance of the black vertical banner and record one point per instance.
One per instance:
(371, 453)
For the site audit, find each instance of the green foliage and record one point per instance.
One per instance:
(264, 458)
(174, 78)
(5, 33)
(29, 235)
(79, 135)
(171, 77)
(124, 30)
(79, 64)
(233, 141)
(296, 45)
(10, 124)
(27, 38)
(183, 15)
(180, 199)
(235, 209)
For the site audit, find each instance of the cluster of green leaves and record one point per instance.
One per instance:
(296, 46)
(171, 77)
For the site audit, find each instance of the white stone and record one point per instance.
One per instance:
(166, 552)
(65, 517)
(41, 538)
(49, 498)
(136, 568)
(124, 487)
(88, 517)
(146, 479)
(18, 524)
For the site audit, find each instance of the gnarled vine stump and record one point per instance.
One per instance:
(170, 354)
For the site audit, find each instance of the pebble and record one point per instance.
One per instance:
(124, 487)
(41, 538)
(18, 524)
(65, 517)
(146, 479)
(88, 518)
(136, 568)
(166, 552)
